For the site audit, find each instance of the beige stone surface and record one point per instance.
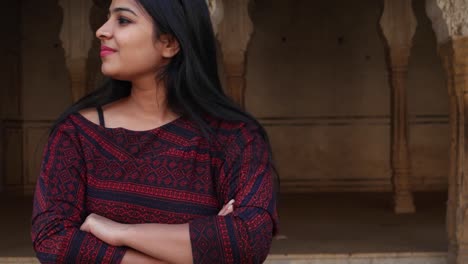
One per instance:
(455, 13)
(454, 54)
(317, 78)
(385, 258)
(76, 37)
(398, 24)
(234, 33)
(13, 260)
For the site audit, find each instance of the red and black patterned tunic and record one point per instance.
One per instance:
(168, 175)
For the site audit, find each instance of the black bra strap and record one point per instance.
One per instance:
(101, 116)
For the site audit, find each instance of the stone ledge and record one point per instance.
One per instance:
(364, 258)
(370, 258)
(18, 260)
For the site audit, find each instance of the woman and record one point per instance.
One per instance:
(157, 166)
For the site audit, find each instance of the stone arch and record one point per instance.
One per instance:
(450, 24)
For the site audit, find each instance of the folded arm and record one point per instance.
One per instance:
(243, 236)
(59, 208)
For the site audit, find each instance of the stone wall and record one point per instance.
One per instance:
(316, 77)
(10, 93)
(42, 88)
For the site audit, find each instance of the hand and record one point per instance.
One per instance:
(111, 232)
(105, 229)
(227, 208)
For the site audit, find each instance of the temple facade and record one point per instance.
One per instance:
(357, 96)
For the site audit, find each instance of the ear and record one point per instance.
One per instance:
(170, 46)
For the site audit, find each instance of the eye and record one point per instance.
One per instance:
(123, 21)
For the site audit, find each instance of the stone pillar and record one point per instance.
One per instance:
(454, 54)
(450, 23)
(233, 33)
(398, 25)
(217, 12)
(76, 36)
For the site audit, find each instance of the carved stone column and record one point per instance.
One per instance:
(454, 54)
(450, 23)
(398, 25)
(76, 36)
(234, 32)
(217, 12)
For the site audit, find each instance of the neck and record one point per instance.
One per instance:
(148, 97)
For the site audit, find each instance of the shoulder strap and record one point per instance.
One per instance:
(101, 116)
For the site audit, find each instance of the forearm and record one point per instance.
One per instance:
(133, 256)
(67, 244)
(169, 243)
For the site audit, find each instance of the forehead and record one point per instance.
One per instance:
(130, 4)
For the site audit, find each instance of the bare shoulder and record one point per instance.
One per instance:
(90, 114)
(111, 111)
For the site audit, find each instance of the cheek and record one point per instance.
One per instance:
(143, 56)
(140, 56)
(137, 55)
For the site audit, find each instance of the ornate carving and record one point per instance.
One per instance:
(438, 22)
(76, 37)
(398, 25)
(217, 12)
(449, 18)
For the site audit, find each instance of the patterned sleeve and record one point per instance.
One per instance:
(245, 235)
(59, 211)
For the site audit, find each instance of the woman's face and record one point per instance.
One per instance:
(129, 49)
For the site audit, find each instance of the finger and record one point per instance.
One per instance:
(225, 210)
(84, 227)
(221, 212)
(228, 208)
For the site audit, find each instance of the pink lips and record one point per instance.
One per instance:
(105, 51)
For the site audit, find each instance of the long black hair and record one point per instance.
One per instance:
(191, 77)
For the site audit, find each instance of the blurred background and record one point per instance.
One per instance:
(316, 74)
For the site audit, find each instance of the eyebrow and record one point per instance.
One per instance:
(123, 9)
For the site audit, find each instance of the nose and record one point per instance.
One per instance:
(104, 32)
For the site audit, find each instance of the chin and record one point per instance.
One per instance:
(107, 71)
(111, 73)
